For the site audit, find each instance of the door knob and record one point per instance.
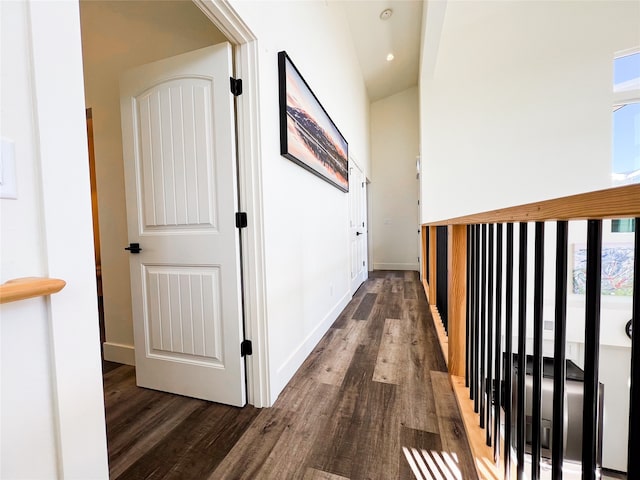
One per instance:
(134, 248)
(358, 233)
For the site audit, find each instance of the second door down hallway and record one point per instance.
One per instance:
(372, 401)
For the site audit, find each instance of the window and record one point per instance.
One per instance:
(625, 167)
(624, 225)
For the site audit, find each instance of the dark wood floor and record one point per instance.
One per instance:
(372, 401)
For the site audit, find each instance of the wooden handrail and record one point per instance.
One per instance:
(29, 287)
(618, 202)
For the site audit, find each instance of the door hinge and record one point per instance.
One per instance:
(246, 348)
(236, 86)
(241, 219)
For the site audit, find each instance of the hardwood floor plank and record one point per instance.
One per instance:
(391, 360)
(364, 309)
(420, 452)
(193, 448)
(410, 290)
(247, 457)
(411, 276)
(452, 433)
(313, 474)
(374, 285)
(335, 447)
(109, 366)
(373, 329)
(378, 439)
(378, 274)
(339, 353)
(397, 284)
(288, 458)
(131, 437)
(351, 307)
(419, 409)
(313, 361)
(392, 303)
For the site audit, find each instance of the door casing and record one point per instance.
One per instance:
(245, 46)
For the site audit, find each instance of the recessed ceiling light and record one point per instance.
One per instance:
(386, 14)
(390, 57)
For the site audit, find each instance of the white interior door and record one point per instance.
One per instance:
(180, 172)
(358, 225)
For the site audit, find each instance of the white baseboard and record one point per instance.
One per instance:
(397, 266)
(295, 360)
(116, 352)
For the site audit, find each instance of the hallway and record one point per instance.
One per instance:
(372, 401)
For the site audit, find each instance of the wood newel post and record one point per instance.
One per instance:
(457, 265)
(432, 264)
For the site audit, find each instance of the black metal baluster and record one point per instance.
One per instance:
(442, 266)
(483, 327)
(536, 408)
(508, 365)
(490, 263)
(591, 347)
(497, 390)
(468, 309)
(522, 348)
(476, 323)
(559, 353)
(633, 458)
(471, 337)
(471, 332)
(426, 252)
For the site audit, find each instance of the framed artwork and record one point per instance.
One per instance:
(617, 269)
(308, 136)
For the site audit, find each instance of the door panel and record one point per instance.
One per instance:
(175, 131)
(184, 316)
(180, 172)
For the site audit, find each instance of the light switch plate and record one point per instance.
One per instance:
(8, 187)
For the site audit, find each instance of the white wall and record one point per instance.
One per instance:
(394, 189)
(516, 107)
(117, 36)
(306, 219)
(25, 388)
(51, 407)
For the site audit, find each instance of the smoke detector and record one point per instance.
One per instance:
(386, 14)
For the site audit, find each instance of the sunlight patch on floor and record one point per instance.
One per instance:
(428, 465)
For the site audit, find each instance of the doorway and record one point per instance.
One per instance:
(96, 225)
(161, 29)
(358, 224)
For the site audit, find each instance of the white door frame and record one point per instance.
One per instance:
(224, 17)
(57, 89)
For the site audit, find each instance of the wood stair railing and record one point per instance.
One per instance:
(29, 287)
(463, 236)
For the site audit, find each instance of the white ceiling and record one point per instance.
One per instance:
(374, 39)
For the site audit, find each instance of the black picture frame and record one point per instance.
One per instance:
(308, 136)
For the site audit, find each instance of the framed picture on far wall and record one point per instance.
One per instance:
(616, 269)
(308, 136)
